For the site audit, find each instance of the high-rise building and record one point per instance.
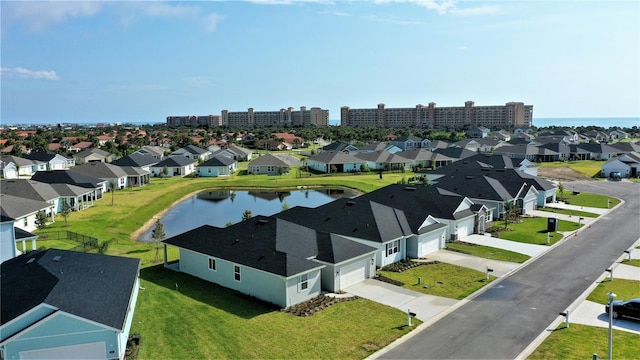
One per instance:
(285, 117)
(510, 115)
(194, 120)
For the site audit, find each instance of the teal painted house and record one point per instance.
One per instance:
(59, 304)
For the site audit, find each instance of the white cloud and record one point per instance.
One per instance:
(211, 21)
(441, 6)
(38, 15)
(22, 73)
(476, 11)
(337, 13)
(289, 2)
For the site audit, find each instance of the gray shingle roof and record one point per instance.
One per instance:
(335, 157)
(16, 207)
(67, 177)
(100, 170)
(28, 189)
(135, 159)
(91, 286)
(218, 161)
(175, 161)
(268, 160)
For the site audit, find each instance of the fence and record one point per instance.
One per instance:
(85, 243)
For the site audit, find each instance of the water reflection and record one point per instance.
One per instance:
(221, 207)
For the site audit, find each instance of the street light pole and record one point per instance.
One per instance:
(611, 296)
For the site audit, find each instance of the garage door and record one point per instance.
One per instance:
(528, 206)
(463, 231)
(353, 273)
(84, 351)
(429, 246)
(57, 166)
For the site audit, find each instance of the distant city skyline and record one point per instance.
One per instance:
(92, 62)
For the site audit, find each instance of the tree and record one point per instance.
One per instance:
(112, 187)
(560, 190)
(158, 235)
(41, 219)
(65, 211)
(511, 213)
(246, 215)
(165, 171)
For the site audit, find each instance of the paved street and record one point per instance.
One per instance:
(502, 321)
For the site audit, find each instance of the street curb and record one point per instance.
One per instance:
(560, 319)
(480, 291)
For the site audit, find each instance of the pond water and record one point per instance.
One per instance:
(219, 207)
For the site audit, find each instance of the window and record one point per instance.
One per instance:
(236, 272)
(26, 222)
(303, 282)
(212, 264)
(393, 247)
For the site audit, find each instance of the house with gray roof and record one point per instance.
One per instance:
(74, 305)
(529, 152)
(383, 160)
(193, 152)
(334, 162)
(628, 165)
(139, 160)
(78, 198)
(24, 210)
(600, 151)
(155, 151)
(114, 175)
(54, 161)
(407, 142)
(273, 259)
(268, 164)
(14, 167)
(176, 166)
(423, 158)
(217, 166)
(10, 236)
(97, 186)
(93, 155)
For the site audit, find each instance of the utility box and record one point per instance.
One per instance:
(552, 224)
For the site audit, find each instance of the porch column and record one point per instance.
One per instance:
(24, 246)
(33, 244)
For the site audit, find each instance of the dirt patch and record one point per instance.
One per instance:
(562, 173)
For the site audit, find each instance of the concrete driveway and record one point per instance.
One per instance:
(425, 306)
(500, 268)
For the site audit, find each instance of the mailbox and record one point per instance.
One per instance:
(552, 224)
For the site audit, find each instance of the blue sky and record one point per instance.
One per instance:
(142, 61)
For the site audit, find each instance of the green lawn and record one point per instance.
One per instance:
(488, 252)
(441, 279)
(633, 262)
(569, 212)
(623, 288)
(587, 199)
(580, 342)
(534, 231)
(202, 320)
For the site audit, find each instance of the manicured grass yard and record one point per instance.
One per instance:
(569, 212)
(633, 262)
(582, 341)
(488, 252)
(587, 199)
(202, 320)
(441, 279)
(534, 231)
(623, 288)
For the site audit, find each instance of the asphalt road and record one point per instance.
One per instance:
(503, 321)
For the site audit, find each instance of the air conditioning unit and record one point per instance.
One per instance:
(454, 237)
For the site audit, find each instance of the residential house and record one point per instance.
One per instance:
(501, 135)
(235, 152)
(193, 152)
(478, 132)
(338, 146)
(176, 166)
(626, 147)
(23, 211)
(272, 259)
(528, 152)
(14, 167)
(10, 236)
(217, 166)
(628, 165)
(379, 146)
(600, 151)
(136, 176)
(93, 155)
(77, 305)
(155, 151)
(115, 176)
(95, 186)
(455, 152)
(598, 136)
(423, 158)
(383, 160)
(82, 145)
(407, 142)
(268, 164)
(54, 194)
(435, 215)
(618, 134)
(295, 141)
(334, 162)
(54, 161)
(138, 160)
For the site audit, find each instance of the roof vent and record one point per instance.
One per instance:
(469, 177)
(328, 218)
(354, 229)
(261, 257)
(31, 260)
(500, 170)
(235, 241)
(57, 258)
(262, 222)
(351, 203)
(409, 188)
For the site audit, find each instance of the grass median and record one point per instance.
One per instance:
(534, 231)
(487, 252)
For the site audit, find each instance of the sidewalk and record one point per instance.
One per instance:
(522, 248)
(561, 205)
(572, 218)
(500, 268)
